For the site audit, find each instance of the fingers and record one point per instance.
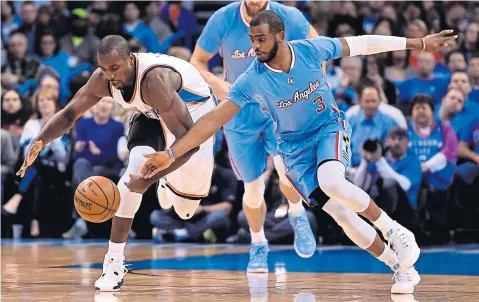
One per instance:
(144, 169)
(21, 172)
(446, 32)
(148, 155)
(451, 38)
(154, 172)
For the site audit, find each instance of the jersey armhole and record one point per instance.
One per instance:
(145, 73)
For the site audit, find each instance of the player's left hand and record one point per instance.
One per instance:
(436, 41)
(137, 184)
(156, 162)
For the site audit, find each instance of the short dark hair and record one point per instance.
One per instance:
(422, 98)
(274, 21)
(449, 54)
(367, 83)
(398, 132)
(113, 43)
(459, 71)
(474, 55)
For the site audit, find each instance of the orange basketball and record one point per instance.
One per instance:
(97, 199)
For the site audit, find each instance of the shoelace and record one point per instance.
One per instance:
(112, 267)
(398, 240)
(402, 276)
(300, 224)
(259, 253)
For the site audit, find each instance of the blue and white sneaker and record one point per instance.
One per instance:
(304, 242)
(258, 258)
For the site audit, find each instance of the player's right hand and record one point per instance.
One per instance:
(32, 154)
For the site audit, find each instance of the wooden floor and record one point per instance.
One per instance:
(65, 271)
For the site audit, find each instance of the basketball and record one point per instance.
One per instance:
(97, 199)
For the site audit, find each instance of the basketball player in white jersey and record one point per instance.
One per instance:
(167, 96)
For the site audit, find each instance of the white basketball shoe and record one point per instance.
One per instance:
(114, 270)
(403, 243)
(405, 280)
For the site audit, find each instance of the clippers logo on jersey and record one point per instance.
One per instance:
(237, 54)
(300, 95)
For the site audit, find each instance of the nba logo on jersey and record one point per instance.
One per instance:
(290, 81)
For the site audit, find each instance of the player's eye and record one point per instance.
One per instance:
(261, 40)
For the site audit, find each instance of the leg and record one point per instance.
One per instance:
(334, 184)
(248, 158)
(214, 220)
(161, 220)
(145, 136)
(82, 169)
(364, 236)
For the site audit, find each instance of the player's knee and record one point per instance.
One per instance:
(137, 158)
(279, 166)
(184, 207)
(254, 193)
(331, 177)
(338, 211)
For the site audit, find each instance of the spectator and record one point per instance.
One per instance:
(349, 82)
(469, 151)
(460, 80)
(385, 27)
(397, 70)
(435, 143)
(374, 69)
(424, 82)
(15, 114)
(80, 45)
(182, 20)
(442, 70)
(451, 110)
(153, 20)
(455, 60)
(135, 27)
(51, 55)
(369, 122)
(471, 40)
(333, 75)
(28, 13)
(393, 179)
(19, 67)
(211, 219)
(50, 164)
(474, 76)
(98, 147)
(60, 18)
(10, 21)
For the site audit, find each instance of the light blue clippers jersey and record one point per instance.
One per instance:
(299, 102)
(227, 33)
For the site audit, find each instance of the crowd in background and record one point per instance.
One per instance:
(414, 115)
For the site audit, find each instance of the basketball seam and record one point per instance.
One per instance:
(107, 201)
(104, 208)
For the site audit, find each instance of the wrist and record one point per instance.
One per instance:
(416, 44)
(171, 154)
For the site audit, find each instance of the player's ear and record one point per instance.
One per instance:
(131, 58)
(281, 35)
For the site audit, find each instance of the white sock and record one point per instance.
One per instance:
(258, 238)
(296, 209)
(116, 249)
(384, 223)
(389, 258)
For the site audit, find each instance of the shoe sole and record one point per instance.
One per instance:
(403, 292)
(303, 255)
(412, 260)
(257, 270)
(114, 289)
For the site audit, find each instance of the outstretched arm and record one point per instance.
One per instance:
(94, 90)
(372, 44)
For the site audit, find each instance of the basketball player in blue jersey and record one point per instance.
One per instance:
(250, 134)
(313, 137)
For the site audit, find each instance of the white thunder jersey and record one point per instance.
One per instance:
(194, 91)
(192, 180)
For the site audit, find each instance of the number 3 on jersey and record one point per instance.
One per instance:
(320, 102)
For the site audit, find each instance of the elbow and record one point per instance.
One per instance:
(195, 149)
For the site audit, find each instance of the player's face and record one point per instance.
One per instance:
(397, 145)
(118, 70)
(422, 114)
(255, 6)
(265, 43)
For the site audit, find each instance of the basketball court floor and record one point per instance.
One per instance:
(51, 270)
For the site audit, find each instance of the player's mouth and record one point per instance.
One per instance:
(261, 55)
(115, 83)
